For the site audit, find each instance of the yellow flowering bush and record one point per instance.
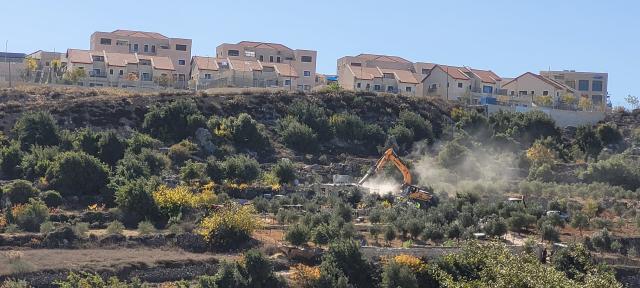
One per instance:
(229, 226)
(305, 276)
(171, 201)
(414, 263)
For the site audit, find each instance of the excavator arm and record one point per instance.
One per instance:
(408, 190)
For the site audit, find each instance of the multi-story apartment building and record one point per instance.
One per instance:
(210, 72)
(148, 44)
(589, 85)
(268, 61)
(457, 83)
(120, 69)
(368, 72)
(523, 90)
(378, 73)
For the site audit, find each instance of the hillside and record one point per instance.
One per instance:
(98, 169)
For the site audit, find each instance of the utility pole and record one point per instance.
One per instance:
(6, 53)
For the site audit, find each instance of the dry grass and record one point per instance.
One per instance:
(40, 259)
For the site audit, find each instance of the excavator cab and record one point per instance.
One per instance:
(412, 193)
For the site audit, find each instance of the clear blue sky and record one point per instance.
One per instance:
(507, 36)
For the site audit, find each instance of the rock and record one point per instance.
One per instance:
(113, 239)
(204, 141)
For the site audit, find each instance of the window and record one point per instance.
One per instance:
(164, 47)
(146, 77)
(110, 71)
(356, 64)
(153, 48)
(596, 85)
(98, 58)
(146, 48)
(358, 85)
(368, 86)
(408, 89)
(306, 59)
(583, 85)
(207, 76)
(182, 62)
(278, 59)
(513, 93)
(487, 89)
(250, 53)
(181, 47)
(425, 71)
(388, 75)
(533, 92)
(459, 84)
(122, 43)
(135, 47)
(307, 87)
(390, 88)
(545, 93)
(105, 41)
(121, 72)
(307, 73)
(287, 82)
(47, 63)
(96, 72)
(376, 87)
(300, 87)
(233, 53)
(522, 93)
(261, 58)
(271, 59)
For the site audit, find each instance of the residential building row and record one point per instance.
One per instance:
(126, 58)
(393, 74)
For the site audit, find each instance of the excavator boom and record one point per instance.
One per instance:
(408, 190)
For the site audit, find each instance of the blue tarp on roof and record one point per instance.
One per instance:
(332, 78)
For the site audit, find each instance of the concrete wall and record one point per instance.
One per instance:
(563, 118)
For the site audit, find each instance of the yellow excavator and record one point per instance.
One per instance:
(409, 191)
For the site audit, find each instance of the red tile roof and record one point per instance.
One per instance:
(253, 44)
(285, 70)
(206, 63)
(139, 34)
(384, 58)
(454, 72)
(118, 59)
(365, 73)
(79, 56)
(486, 76)
(244, 65)
(403, 76)
(546, 80)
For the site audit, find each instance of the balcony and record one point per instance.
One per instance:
(97, 74)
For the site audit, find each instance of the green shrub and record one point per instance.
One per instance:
(542, 173)
(80, 229)
(19, 191)
(285, 171)
(135, 198)
(617, 171)
(86, 140)
(297, 235)
(452, 155)
(36, 128)
(420, 127)
(344, 260)
(402, 135)
(181, 152)
(111, 147)
(347, 127)
(215, 170)
(29, 216)
(247, 133)
(46, 227)
(298, 136)
(609, 134)
(173, 122)
(51, 198)
(140, 141)
(312, 115)
(115, 227)
(36, 163)
(77, 173)
(397, 275)
(588, 141)
(11, 159)
(241, 169)
(145, 228)
(193, 171)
